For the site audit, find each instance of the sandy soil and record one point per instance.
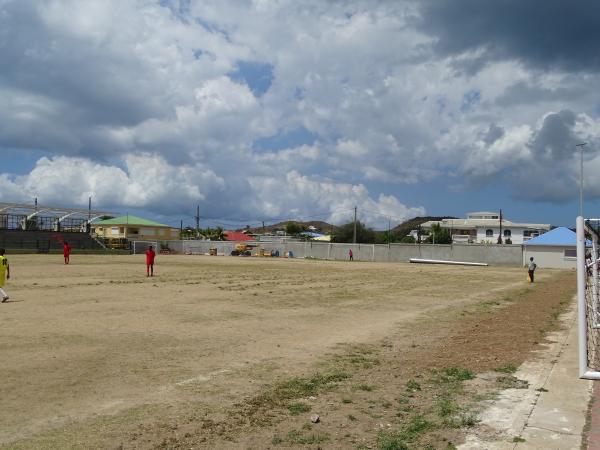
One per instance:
(96, 355)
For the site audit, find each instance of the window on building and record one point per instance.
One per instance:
(489, 233)
(570, 253)
(114, 230)
(122, 230)
(507, 233)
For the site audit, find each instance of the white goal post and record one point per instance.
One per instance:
(138, 247)
(587, 298)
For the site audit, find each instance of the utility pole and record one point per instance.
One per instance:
(88, 227)
(263, 226)
(500, 234)
(583, 144)
(198, 222)
(354, 234)
(389, 231)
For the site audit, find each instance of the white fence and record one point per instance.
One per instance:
(490, 254)
(587, 299)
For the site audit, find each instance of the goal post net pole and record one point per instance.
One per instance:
(587, 303)
(141, 246)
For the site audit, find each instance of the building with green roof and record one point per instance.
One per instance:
(133, 228)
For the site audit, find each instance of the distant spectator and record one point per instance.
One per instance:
(4, 274)
(531, 269)
(350, 255)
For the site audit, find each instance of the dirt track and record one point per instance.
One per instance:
(94, 353)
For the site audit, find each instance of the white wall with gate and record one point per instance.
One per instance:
(491, 254)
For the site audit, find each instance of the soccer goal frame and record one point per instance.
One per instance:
(587, 297)
(138, 247)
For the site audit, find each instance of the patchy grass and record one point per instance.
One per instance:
(518, 439)
(298, 437)
(510, 382)
(305, 387)
(509, 368)
(364, 387)
(411, 432)
(453, 374)
(412, 386)
(298, 408)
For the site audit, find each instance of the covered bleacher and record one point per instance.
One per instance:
(42, 228)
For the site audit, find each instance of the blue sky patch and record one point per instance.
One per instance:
(470, 99)
(258, 76)
(286, 139)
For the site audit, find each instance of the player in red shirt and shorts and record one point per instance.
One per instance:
(150, 262)
(66, 251)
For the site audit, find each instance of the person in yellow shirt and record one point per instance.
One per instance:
(4, 274)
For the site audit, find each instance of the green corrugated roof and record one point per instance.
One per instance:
(131, 220)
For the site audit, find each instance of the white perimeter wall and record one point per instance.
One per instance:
(549, 256)
(511, 255)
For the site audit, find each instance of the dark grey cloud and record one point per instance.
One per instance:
(494, 133)
(526, 93)
(555, 141)
(86, 75)
(542, 34)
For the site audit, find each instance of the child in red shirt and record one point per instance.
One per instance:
(150, 262)
(66, 251)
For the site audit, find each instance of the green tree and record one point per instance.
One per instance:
(214, 234)
(440, 235)
(345, 232)
(408, 240)
(293, 228)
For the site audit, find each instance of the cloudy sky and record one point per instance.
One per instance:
(275, 109)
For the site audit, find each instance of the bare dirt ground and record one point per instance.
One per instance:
(221, 352)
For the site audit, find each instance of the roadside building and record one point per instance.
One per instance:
(238, 236)
(484, 227)
(133, 228)
(556, 249)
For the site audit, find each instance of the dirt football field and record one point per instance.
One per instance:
(226, 352)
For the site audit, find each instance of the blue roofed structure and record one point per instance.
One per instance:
(555, 249)
(560, 236)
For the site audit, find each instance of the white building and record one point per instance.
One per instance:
(484, 227)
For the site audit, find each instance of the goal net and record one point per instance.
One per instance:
(138, 247)
(588, 234)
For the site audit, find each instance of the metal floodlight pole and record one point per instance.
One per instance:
(583, 144)
(354, 233)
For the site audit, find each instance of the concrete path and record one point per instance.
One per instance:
(550, 414)
(593, 438)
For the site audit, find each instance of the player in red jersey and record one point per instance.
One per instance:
(66, 251)
(150, 262)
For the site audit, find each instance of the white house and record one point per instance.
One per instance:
(555, 249)
(484, 227)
